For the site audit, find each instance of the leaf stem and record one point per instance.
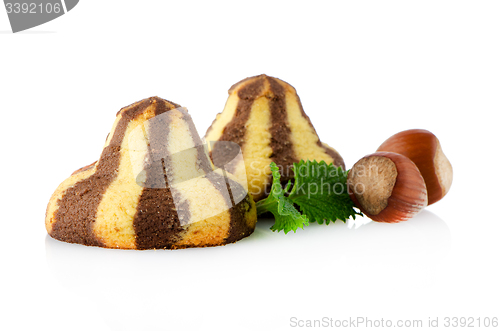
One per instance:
(262, 206)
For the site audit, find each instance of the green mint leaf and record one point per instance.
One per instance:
(320, 190)
(287, 218)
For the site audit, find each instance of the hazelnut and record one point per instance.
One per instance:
(424, 149)
(387, 187)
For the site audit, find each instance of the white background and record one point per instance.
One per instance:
(364, 71)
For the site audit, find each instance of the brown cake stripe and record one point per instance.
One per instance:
(75, 217)
(157, 222)
(231, 89)
(234, 86)
(237, 211)
(281, 143)
(338, 161)
(237, 228)
(84, 168)
(223, 152)
(235, 130)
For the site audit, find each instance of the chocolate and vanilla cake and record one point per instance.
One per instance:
(264, 116)
(153, 187)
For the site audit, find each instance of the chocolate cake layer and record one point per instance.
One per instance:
(156, 222)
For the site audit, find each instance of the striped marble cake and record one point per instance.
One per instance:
(264, 116)
(153, 187)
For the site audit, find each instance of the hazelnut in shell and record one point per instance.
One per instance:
(387, 187)
(424, 149)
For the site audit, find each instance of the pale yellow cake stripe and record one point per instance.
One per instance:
(251, 214)
(117, 209)
(303, 137)
(184, 163)
(53, 205)
(209, 217)
(217, 129)
(223, 119)
(239, 171)
(257, 150)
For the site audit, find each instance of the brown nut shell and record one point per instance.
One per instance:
(424, 149)
(387, 187)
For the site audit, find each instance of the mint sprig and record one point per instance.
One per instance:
(287, 218)
(320, 191)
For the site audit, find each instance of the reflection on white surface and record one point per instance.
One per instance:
(358, 222)
(134, 290)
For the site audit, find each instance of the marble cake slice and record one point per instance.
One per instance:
(264, 116)
(153, 187)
